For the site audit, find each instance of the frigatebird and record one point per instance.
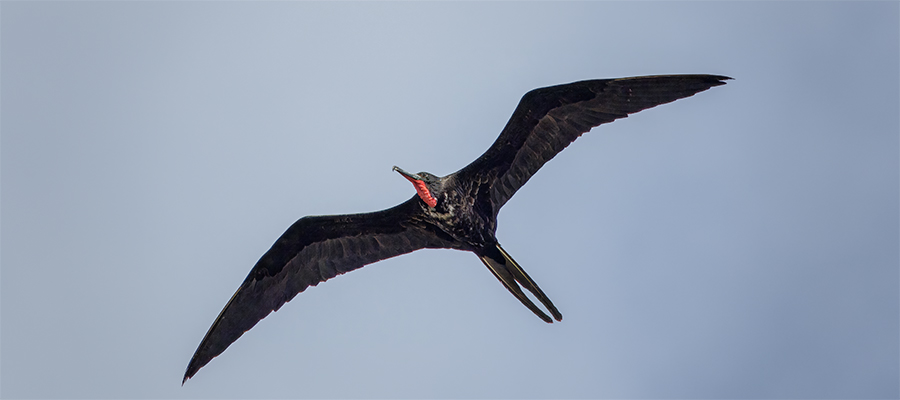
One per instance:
(457, 211)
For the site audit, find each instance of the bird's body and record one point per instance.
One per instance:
(457, 211)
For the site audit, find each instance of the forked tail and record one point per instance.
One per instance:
(509, 272)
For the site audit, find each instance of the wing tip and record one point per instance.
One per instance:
(189, 373)
(707, 79)
(720, 79)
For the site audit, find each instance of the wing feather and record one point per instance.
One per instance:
(547, 120)
(313, 250)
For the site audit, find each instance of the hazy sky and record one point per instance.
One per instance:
(741, 243)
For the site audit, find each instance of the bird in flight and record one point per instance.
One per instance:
(457, 211)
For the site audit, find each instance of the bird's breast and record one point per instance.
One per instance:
(457, 216)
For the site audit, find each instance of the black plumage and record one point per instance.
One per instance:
(457, 211)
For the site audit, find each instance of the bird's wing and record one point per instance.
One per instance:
(549, 119)
(313, 250)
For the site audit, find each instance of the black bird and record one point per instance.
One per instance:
(457, 211)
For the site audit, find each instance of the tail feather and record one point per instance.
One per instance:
(511, 275)
(529, 284)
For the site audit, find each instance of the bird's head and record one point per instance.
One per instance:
(427, 185)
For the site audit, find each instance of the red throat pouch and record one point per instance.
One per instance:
(424, 194)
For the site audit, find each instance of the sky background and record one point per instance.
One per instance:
(741, 243)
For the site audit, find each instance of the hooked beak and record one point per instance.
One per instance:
(407, 175)
(421, 187)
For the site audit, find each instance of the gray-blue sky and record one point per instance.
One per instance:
(739, 243)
